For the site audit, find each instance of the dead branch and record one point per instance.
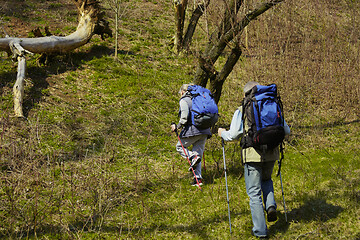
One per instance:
(90, 22)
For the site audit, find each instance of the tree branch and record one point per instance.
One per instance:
(217, 45)
(239, 27)
(90, 16)
(197, 13)
(216, 84)
(18, 89)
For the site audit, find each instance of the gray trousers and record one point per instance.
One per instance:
(198, 147)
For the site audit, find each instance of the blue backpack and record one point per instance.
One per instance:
(262, 109)
(204, 111)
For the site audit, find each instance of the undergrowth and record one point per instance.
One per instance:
(95, 159)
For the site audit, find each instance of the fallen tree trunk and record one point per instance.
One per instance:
(90, 22)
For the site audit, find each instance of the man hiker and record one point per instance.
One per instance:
(258, 167)
(190, 135)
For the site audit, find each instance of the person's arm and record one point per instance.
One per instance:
(286, 128)
(236, 128)
(184, 113)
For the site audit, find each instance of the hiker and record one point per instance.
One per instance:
(190, 135)
(258, 167)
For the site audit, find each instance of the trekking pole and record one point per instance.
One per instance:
(282, 188)
(204, 160)
(187, 157)
(227, 192)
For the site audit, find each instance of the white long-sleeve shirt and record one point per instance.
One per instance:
(237, 128)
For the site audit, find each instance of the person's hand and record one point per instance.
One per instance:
(220, 130)
(173, 127)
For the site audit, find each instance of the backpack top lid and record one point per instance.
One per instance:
(264, 106)
(204, 110)
(203, 104)
(262, 92)
(197, 89)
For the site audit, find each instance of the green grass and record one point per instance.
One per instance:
(115, 174)
(95, 158)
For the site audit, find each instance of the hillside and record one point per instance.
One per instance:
(95, 158)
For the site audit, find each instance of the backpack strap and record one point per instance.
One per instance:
(243, 158)
(258, 112)
(243, 115)
(187, 98)
(246, 124)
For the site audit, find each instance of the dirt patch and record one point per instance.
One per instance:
(19, 17)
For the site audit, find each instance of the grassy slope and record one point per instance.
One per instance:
(95, 158)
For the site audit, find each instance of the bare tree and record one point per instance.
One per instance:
(90, 22)
(118, 8)
(183, 39)
(226, 36)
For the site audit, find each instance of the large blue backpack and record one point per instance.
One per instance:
(204, 111)
(262, 110)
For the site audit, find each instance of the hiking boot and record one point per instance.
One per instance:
(271, 214)
(194, 183)
(194, 162)
(261, 237)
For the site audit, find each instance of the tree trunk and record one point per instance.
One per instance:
(198, 12)
(180, 10)
(217, 83)
(220, 39)
(56, 44)
(217, 44)
(18, 89)
(90, 16)
(183, 41)
(116, 27)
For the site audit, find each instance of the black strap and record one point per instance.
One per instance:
(258, 112)
(244, 131)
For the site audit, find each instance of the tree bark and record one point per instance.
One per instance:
(57, 44)
(229, 30)
(18, 89)
(90, 17)
(217, 43)
(216, 84)
(183, 41)
(197, 13)
(180, 9)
